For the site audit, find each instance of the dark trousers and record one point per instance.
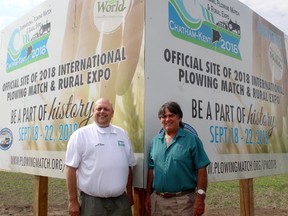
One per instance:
(112, 206)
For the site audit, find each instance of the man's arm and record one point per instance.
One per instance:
(202, 182)
(129, 187)
(71, 181)
(149, 190)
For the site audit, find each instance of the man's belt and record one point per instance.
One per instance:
(170, 195)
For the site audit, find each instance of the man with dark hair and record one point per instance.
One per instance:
(177, 176)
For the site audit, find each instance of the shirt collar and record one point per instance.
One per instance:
(180, 132)
(106, 130)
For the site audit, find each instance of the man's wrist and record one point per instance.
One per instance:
(201, 193)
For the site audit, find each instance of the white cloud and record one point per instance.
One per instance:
(275, 11)
(11, 10)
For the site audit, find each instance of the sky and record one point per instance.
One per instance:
(275, 11)
(11, 10)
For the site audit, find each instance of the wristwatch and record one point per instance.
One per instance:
(201, 192)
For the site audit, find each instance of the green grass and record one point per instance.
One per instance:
(269, 192)
(17, 189)
(223, 194)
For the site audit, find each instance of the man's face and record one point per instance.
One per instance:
(103, 113)
(170, 122)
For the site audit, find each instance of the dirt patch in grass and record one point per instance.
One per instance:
(270, 196)
(62, 211)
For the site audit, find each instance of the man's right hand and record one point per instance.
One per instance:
(148, 203)
(74, 208)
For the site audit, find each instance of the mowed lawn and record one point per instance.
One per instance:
(269, 192)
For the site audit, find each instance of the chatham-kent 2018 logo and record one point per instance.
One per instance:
(209, 25)
(24, 48)
(6, 139)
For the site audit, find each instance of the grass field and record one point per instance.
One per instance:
(19, 186)
(269, 192)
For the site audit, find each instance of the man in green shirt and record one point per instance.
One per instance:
(177, 176)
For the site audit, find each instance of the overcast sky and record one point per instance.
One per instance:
(11, 10)
(275, 11)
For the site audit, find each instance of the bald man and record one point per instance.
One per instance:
(99, 161)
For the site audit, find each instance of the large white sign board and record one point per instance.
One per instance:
(224, 64)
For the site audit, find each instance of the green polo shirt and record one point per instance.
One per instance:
(175, 168)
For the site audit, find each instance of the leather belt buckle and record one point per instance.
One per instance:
(170, 195)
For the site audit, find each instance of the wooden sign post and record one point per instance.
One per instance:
(40, 196)
(246, 197)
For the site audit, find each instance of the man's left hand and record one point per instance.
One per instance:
(199, 205)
